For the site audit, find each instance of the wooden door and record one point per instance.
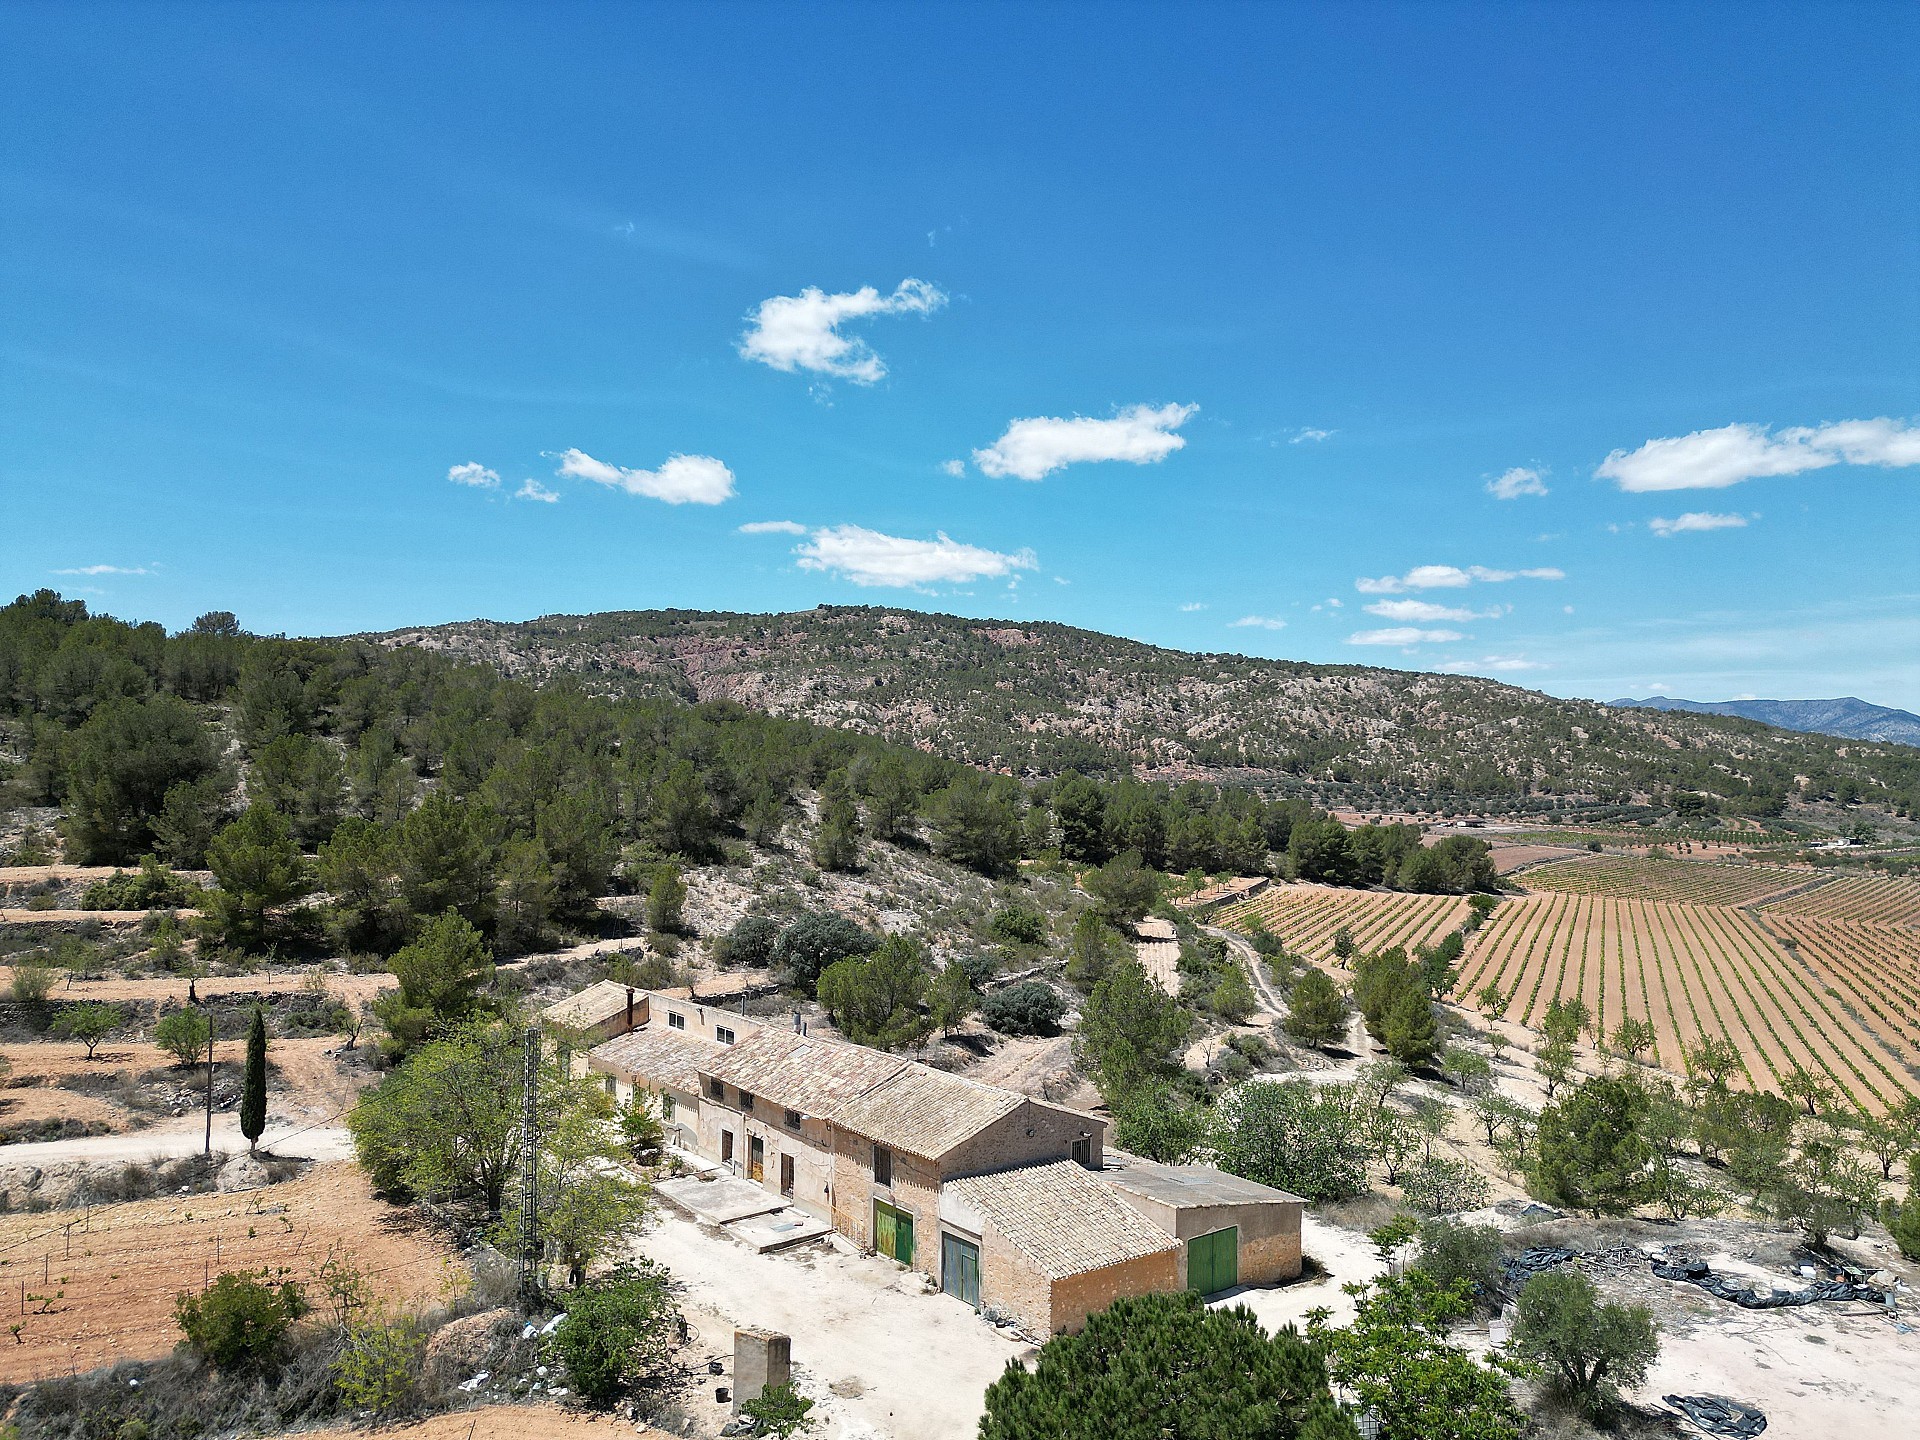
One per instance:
(756, 1158)
(1213, 1261)
(960, 1269)
(893, 1232)
(786, 1174)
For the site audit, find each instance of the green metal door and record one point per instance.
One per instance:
(1213, 1261)
(960, 1269)
(893, 1232)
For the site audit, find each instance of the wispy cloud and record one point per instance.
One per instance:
(1425, 611)
(1449, 577)
(802, 332)
(1512, 484)
(868, 557)
(773, 527)
(682, 480)
(475, 474)
(1036, 447)
(1307, 435)
(1695, 520)
(1495, 664)
(955, 468)
(106, 570)
(1192, 606)
(1403, 635)
(531, 489)
(1257, 622)
(1714, 459)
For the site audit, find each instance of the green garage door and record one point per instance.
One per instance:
(1213, 1261)
(960, 1269)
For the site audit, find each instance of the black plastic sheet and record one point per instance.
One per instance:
(1718, 1415)
(1696, 1272)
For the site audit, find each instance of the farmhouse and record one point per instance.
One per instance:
(1008, 1203)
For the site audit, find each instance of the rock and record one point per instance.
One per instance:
(462, 1345)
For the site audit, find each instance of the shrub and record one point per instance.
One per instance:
(1316, 1010)
(749, 944)
(1444, 1187)
(1293, 1136)
(1905, 1224)
(378, 1367)
(240, 1322)
(812, 943)
(619, 1333)
(779, 1410)
(1017, 924)
(183, 1034)
(1451, 1252)
(1029, 1008)
(89, 1022)
(1588, 1346)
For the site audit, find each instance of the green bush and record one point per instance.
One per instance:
(1029, 1008)
(183, 1034)
(779, 1410)
(1441, 1186)
(619, 1333)
(240, 1322)
(378, 1367)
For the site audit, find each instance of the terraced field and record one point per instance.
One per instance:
(1306, 917)
(1687, 882)
(1693, 970)
(1877, 899)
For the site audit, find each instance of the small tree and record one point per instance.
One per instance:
(1160, 1123)
(1293, 1136)
(749, 944)
(89, 1022)
(619, 1333)
(1233, 999)
(1130, 1029)
(1167, 1365)
(259, 868)
(442, 976)
(240, 1322)
(877, 1001)
(183, 1034)
(1554, 1061)
(1410, 1034)
(951, 999)
(1592, 1155)
(1905, 1222)
(836, 845)
(253, 1082)
(1317, 1012)
(666, 899)
(1824, 1189)
(1631, 1037)
(1591, 1348)
(1124, 888)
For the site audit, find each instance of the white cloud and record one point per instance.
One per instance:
(773, 527)
(802, 332)
(1695, 520)
(1193, 605)
(1512, 484)
(531, 489)
(1257, 622)
(476, 474)
(1714, 459)
(105, 570)
(1403, 635)
(1308, 433)
(1424, 611)
(1449, 577)
(1038, 446)
(683, 480)
(955, 468)
(867, 557)
(1499, 664)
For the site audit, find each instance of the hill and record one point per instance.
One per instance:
(1847, 717)
(1041, 697)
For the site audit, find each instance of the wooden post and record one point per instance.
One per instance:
(209, 1149)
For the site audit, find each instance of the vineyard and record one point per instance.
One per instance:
(1701, 969)
(1872, 898)
(1630, 877)
(1876, 967)
(1307, 917)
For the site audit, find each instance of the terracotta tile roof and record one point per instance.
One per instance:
(657, 1055)
(599, 1002)
(926, 1112)
(801, 1072)
(1061, 1217)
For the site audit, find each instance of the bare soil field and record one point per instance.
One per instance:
(1692, 970)
(507, 1422)
(1874, 967)
(1307, 917)
(87, 1288)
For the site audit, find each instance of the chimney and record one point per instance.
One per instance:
(629, 1007)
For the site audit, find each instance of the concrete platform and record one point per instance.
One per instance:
(719, 1201)
(778, 1230)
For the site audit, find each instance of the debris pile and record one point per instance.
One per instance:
(1718, 1415)
(1697, 1272)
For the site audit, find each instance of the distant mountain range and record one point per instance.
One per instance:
(1037, 697)
(1847, 717)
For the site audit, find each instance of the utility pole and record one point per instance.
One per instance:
(209, 1150)
(530, 1173)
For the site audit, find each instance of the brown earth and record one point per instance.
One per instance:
(110, 1274)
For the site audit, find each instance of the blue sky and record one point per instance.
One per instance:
(1575, 345)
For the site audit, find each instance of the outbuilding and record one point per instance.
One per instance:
(1230, 1231)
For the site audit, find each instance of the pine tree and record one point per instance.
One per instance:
(1409, 1033)
(253, 1083)
(1317, 1011)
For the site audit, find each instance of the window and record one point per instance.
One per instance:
(726, 1147)
(746, 1101)
(1083, 1152)
(882, 1165)
(723, 1034)
(792, 1119)
(613, 1088)
(666, 1108)
(676, 1021)
(715, 1090)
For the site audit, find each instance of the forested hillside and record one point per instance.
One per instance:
(1043, 697)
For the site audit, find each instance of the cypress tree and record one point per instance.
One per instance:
(253, 1084)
